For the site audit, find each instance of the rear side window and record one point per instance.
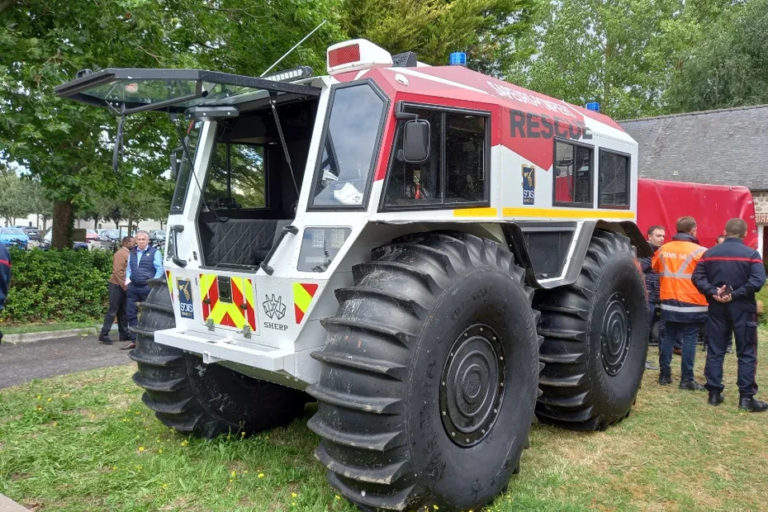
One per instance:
(455, 172)
(613, 180)
(573, 174)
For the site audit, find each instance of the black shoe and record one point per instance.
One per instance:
(715, 398)
(128, 346)
(105, 339)
(691, 385)
(752, 405)
(665, 379)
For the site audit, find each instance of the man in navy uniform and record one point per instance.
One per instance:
(5, 277)
(144, 263)
(729, 274)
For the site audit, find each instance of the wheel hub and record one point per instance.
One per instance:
(615, 335)
(471, 385)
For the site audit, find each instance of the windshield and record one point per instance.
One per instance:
(349, 149)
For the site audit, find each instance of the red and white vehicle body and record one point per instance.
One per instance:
(505, 162)
(425, 250)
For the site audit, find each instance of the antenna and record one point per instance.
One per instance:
(293, 48)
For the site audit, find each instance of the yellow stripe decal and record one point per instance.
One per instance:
(568, 214)
(476, 212)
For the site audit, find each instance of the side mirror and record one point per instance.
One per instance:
(416, 141)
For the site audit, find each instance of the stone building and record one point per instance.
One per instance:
(721, 147)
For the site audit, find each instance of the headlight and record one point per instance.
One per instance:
(319, 246)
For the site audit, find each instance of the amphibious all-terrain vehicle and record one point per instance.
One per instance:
(432, 254)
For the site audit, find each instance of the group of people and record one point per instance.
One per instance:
(694, 286)
(133, 265)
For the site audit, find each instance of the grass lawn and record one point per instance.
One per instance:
(85, 442)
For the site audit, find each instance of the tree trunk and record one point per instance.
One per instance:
(62, 223)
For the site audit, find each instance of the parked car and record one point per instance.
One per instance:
(46, 243)
(32, 233)
(91, 235)
(157, 237)
(14, 237)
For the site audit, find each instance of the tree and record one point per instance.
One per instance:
(728, 65)
(68, 145)
(600, 51)
(485, 29)
(12, 204)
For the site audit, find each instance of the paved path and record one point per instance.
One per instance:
(22, 362)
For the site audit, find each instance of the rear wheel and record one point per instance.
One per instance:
(430, 371)
(204, 400)
(595, 339)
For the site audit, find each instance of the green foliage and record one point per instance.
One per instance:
(485, 29)
(48, 286)
(599, 51)
(728, 64)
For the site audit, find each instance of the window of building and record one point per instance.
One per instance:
(456, 171)
(613, 180)
(573, 174)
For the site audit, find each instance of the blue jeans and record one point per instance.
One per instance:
(672, 332)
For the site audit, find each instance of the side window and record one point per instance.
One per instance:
(455, 171)
(185, 167)
(613, 180)
(418, 183)
(465, 136)
(236, 177)
(573, 174)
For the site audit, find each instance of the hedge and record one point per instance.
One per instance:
(57, 286)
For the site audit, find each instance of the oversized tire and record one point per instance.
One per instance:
(199, 399)
(430, 373)
(595, 339)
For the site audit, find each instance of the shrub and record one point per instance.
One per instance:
(53, 286)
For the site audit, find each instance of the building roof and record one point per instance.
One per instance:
(723, 147)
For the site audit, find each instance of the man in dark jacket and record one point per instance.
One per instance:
(655, 240)
(729, 274)
(5, 277)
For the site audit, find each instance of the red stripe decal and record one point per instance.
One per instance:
(298, 312)
(726, 258)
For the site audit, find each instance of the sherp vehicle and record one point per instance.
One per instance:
(432, 254)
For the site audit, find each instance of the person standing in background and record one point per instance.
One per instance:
(117, 295)
(5, 278)
(729, 274)
(144, 263)
(683, 308)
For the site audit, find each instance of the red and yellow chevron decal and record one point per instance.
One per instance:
(302, 298)
(231, 314)
(169, 282)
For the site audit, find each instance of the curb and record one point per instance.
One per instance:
(47, 335)
(8, 505)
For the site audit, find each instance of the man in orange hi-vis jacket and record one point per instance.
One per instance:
(683, 308)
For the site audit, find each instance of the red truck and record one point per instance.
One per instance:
(663, 202)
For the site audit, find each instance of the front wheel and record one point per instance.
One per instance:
(200, 399)
(430, 374)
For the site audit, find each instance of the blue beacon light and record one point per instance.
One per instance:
(458, 59)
